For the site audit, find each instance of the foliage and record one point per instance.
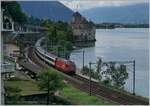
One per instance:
(105, 26)
(13, 9)
(118, 74)
(112, 74)
(12, 91)
(59, 34)
(50, 81)
(34, 21)
(50, 33)
(49, 78)
(61, 26)
(107, 81)
(136, 25)
(47, 23)
(99, 66)
(12, 94)
(115, 25)
(14, 79)
(27, 87)
(68, 45)
(81, 98)
(60, 30)
(108, 73)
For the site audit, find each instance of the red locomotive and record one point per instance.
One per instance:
(63, 65)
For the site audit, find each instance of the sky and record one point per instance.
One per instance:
(81, 5)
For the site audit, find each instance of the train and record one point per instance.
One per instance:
(63, 65)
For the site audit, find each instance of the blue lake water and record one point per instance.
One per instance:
(122, 44)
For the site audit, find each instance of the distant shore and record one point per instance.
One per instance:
(118, 25)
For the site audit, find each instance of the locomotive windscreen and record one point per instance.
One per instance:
(71, 63)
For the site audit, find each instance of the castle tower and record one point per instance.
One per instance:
(82, 29)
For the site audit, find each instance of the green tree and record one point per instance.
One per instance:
(62, 36)
(99, 66)
(12, 94)
(47, 23)
(107, 81)
(13, 9)
(59, 34)
(62, 26)
(54, 34)
(34, 21)
(51, 35)
(118, 75)
(50, 81)
(68, 46)
(69, 34)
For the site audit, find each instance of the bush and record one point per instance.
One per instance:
(50, 78)
(106, 81)
(118, 75)
(85, 70)
(14, 79)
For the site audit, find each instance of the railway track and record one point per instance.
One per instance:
(111, 94)
(96, 89)
(34, 58)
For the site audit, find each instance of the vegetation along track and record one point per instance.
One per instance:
(96, 89)
(121, 98)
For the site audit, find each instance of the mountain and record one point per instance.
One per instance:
(134, 14)
(53, 10)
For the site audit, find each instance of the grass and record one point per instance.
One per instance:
(71, 94)
(27, 87)
(78, 97)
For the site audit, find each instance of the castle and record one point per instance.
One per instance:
(83, 30)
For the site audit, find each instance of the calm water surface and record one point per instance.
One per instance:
(122, 44)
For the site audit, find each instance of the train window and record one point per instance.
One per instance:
(70, 63)
(47, 57)
(50, 59)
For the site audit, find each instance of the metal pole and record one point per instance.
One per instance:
(134, 77)
(64, 54)
(90, 75)
(83, 61)
(48, 91)
(57, 51)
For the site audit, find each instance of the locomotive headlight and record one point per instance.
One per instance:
(63, 65)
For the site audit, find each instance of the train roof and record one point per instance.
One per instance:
(38, 46)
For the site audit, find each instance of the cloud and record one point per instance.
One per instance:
(86, 4)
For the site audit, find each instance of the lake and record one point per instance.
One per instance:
(122, 44)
